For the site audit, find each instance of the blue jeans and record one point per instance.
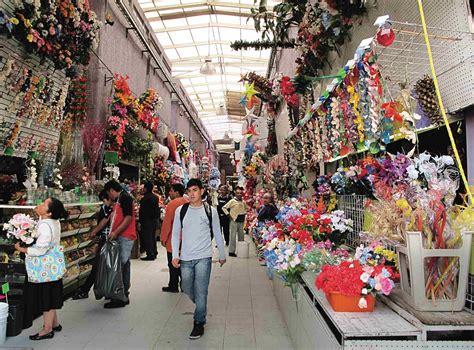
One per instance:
(126, 246)
(195, 275)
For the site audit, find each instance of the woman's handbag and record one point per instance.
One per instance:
(48, 267)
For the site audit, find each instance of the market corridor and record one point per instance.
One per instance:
(242, 314)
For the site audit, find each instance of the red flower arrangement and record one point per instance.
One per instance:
(148, 104)
(288, 91)
(353, 279)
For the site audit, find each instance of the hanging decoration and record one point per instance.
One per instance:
(93, 137)
(75, 113)
(351, 116)
(425, 94)
(325, 26)
(128, 114)
(182, 145)
(64, 31)
(147, 109)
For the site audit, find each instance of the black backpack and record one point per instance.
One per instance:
(207, 209)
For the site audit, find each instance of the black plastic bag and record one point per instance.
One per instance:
(108, 281)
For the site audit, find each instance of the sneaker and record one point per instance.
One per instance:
(114, 304)
(198, 331)
(233, 255)
(80, 295)
(170, 290)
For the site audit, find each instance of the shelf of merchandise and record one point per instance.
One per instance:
(312, 323)
(70, 283)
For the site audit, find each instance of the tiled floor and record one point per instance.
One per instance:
(242, 314)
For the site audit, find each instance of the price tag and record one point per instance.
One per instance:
(38, 201)
(77, 189)
(5, 288)
(82, 199)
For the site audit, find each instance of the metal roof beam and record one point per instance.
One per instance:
(196, 13)
(198, 60)
(204, 25)
(201, 4)
(198, 43)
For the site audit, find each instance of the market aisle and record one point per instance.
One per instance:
(242, 313)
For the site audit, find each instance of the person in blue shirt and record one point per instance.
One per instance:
(194, 226)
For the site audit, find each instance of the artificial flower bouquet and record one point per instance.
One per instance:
(21, 228)
(285, 258)
(352, 286)
(324, 253)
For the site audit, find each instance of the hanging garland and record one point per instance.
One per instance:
(76, 105)
(261, 45)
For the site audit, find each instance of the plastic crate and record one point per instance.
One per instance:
(412, 259)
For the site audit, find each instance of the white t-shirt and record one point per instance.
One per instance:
(49, 232)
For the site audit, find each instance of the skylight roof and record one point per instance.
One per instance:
(192, 30)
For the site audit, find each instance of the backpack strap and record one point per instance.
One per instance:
(182, 213)
(207, 209)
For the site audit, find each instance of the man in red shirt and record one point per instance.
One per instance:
(176, 194)
(123, 229)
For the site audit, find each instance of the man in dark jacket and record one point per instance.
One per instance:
(222, 200)
(149, 216)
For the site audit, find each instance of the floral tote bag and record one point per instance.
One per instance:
(48, 267)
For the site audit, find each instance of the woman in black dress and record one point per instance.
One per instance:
(45, 297)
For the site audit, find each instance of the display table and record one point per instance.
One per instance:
(312, 324)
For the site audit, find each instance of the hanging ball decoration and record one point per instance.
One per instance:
(385, 36)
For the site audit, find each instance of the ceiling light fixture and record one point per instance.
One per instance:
(221, 110)
(208, 67)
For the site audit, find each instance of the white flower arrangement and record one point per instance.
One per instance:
(113, 172)
(31, 182)
(57, 178)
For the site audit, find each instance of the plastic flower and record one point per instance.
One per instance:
(362, 303)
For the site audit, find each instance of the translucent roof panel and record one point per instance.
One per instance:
(191, 32)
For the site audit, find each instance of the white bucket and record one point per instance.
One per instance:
(243, 250)
(3, 322)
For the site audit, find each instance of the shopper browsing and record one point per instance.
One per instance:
(123, 229)
(42, 297)
(194, 226)
(100, 232)
(176, 193)
(223, 199)
(148, 216)
(236, 210)
(268, 211)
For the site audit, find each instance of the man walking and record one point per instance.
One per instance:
(194, 226)
(176, 194)
(236, 210)
(149, 216)
(222, 200)
(123, 229)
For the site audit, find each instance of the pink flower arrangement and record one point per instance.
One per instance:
(22, 228)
